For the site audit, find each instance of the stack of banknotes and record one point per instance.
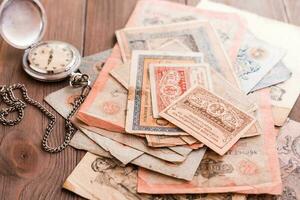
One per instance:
(181, 109)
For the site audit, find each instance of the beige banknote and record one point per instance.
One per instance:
(209, 118)
(121, 73)
(139, 118)
(164, 141)
(250, 166)
(283, 35)
(189, 139)
(184, 170)
(99, 178)
(81, 141)
(109, 114)
(134, 142)
(198, 36)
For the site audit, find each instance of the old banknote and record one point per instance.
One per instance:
(250, 166)
(164, 141)
(134, 142)
(178, 78)
(108, 114)
(139, 118)
(288, 147)
(63, 99)
(278, 74)
(209, 118)
(254, 60)
(198, 36)
(92, 65)
(282, 35)
(81, 141)
(98, 178)
(170, 81)
(184, 170)
(121, 73)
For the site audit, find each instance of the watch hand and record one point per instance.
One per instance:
(50, 57)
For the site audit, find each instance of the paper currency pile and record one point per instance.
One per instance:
(182, 109)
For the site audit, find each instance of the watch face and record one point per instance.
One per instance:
(51, 58)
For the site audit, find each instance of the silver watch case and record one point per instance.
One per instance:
(22, 25)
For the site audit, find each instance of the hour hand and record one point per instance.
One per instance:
(50, 56)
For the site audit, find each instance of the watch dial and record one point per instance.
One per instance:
(50, 58)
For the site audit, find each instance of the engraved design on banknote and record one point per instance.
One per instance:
(166, 20)
(246, 64)
(110, 107)
(247, 167)
(218, 113)
(296, 147)
(138, 94)
(171, 86)
(209, 168)
(113, 175)
(277, 93)
(201, 45)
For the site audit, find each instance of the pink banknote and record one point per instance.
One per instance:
(251, 166)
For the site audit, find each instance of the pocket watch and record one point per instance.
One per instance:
(22, 25)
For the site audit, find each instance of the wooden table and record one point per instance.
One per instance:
(26, 172)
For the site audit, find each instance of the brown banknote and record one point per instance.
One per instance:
(139, 118)
(209, 118)
(251, 166)
(99, 178)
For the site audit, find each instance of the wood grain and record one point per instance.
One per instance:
(26, 172)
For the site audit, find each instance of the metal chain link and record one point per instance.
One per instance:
(17, 105)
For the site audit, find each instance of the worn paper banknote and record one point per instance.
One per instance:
(92, 65)
(121, 73)
(106, 104)
(184, 170)
(178, 78)
(170, 81)
(139, 118)
(250, 166)
(164, 141)
(198, 36)
(254, 60)
(288, 147)
(99, 178)
(135, 142)
(62, 100)
(278, 34)
(278, 74)
(209, 118)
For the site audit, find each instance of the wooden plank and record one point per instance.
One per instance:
(103, 19)
(26, 172)
(292, 8)
(268, 8)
